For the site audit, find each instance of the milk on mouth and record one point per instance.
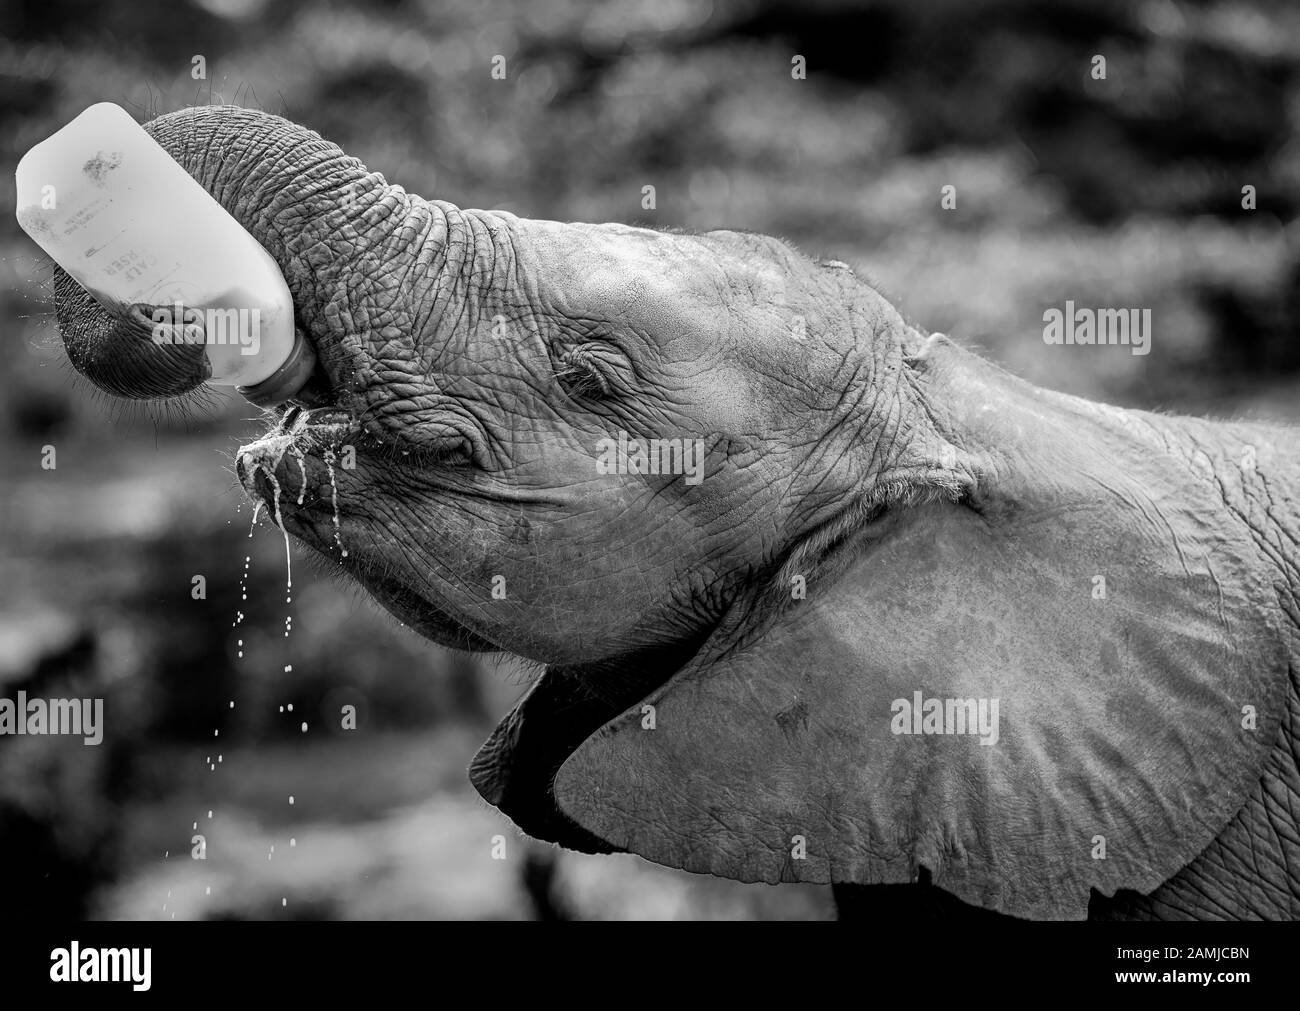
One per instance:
(319, 422)
(317, 432)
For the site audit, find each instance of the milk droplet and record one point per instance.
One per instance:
(304, 728)
(279, 521)
(302, 469)
(334, 496)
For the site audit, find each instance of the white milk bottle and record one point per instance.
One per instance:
(122, 217)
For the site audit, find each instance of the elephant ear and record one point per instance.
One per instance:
(1107, 621)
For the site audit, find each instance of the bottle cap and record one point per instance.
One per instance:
(286, 381)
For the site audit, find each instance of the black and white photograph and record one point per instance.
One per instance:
(653, 460)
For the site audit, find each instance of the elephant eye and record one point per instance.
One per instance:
(593, 370)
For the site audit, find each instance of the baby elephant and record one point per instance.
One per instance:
(820, 597)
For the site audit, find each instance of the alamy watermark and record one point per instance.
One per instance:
(75, 964)
(82, 718)
(919, 715)
(1125, 327)
(627, 455)
(217, 327)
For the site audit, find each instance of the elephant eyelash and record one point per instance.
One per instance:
(582, 373)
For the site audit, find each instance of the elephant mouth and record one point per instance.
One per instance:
(284, 468)
(304, 472)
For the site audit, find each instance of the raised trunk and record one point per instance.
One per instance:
(314, 209)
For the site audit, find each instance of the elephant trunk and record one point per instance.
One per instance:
(115, 349)
(300, 196)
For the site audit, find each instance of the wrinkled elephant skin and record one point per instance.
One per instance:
(868, 611)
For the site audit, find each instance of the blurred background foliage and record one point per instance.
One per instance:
(1122, 192)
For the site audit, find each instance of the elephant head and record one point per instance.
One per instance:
(820, 597)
